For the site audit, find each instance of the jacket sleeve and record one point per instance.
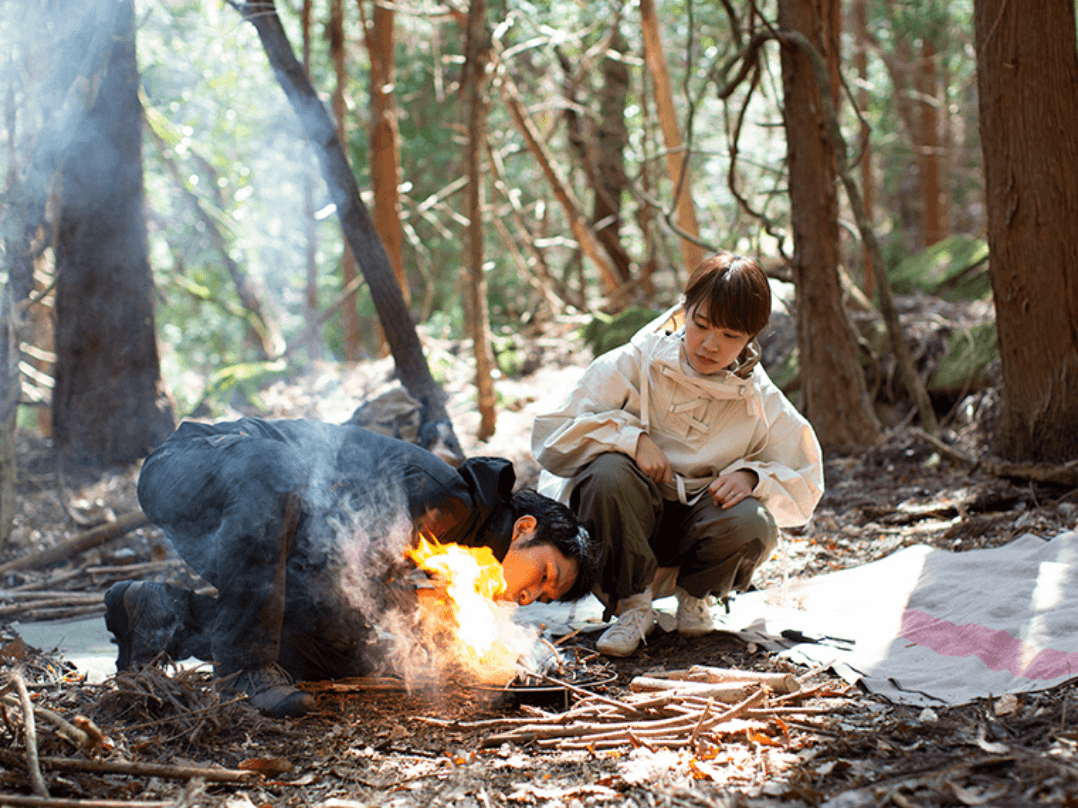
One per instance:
(788, 461)
(475, 509)
(601, 414)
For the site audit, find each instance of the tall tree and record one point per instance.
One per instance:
(349, 315)
(474, 84)
(611, 142)
(1027, 77)
(22, 242)
(108, 403)
(380, 37)
(929, 158)
(599, 145)
(868, 183)
(312, 331)
(676, 159)
(835, 394)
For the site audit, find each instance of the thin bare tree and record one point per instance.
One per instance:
(474, 84)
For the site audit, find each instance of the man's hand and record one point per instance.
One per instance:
(652, 460)
(730, 489)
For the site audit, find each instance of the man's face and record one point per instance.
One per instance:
(535, 572)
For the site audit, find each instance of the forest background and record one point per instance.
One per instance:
(180, 173)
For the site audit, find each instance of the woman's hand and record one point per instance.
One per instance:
(652, 460)
(730, 489)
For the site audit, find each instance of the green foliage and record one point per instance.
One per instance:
(604, 332)
(509, 353)
(220, 131)
(953, 269)
(964, 366)
(241, 383)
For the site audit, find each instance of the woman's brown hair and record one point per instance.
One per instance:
(735, 291)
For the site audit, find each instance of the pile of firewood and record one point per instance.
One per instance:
(690, 708)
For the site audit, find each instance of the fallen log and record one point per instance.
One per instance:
(778, 682)
(728, 692)
(78, 544)
(69, 597)
(58, 605)
(61, 613)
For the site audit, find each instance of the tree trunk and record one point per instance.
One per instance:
(611, 141)
(676, 159)
(312, 331)
(27, 212)
(477, 50)
(932, 213)
(356, 222)
(108, 403)
(835, 395)
(385, 140)
(353, 335)
(868, 183)
(1027, 79)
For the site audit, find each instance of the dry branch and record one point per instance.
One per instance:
(32, 762)
(779, 682)
(82, 739)
(59, 802)
(729, 692)
(138, 769)
(1062, 474)
(582, 232)
(79, 544)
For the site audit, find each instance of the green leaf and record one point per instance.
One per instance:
(954, 269)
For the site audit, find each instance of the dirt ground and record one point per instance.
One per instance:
(385, 747)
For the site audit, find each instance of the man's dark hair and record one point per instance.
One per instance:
(560, 528)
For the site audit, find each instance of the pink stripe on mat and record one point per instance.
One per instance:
(996, 648)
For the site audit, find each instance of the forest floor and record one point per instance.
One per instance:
(386, 747)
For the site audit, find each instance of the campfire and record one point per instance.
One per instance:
(461, 616)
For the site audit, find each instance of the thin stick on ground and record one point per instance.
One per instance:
(32, 766)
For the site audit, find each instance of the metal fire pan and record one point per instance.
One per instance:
(550, 696)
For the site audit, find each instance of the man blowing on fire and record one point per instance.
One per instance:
(303, 528)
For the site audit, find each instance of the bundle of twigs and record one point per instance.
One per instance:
(183, 706)
(87, 740)
(675, 709)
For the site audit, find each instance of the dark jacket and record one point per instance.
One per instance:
(299, 524)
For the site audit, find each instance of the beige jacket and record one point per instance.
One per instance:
(707, 425)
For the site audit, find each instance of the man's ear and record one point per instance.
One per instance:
(523, 526)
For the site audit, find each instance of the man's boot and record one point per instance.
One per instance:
(269, 689)
(150, 619)
(142, 620)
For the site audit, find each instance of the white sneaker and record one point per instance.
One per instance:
(634, 624)
(693, 615)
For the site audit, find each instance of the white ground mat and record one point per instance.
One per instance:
(930, 626)
(921, 626)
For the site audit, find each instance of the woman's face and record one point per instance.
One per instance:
(710, 348)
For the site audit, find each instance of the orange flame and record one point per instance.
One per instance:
(467, 580)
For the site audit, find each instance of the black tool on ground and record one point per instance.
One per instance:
(794, 635)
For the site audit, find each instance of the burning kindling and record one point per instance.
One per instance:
(462, 616)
